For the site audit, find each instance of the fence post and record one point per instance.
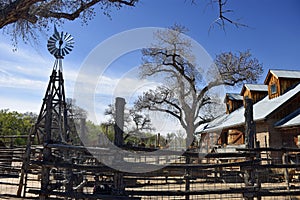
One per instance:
(286, 172)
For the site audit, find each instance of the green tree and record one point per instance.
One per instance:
(93, 131)
(13, 123)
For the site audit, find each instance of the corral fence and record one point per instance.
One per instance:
(244, 174)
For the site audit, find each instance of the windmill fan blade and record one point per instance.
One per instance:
(67, 36)
(63, 52)
(68, 49)
(51, 40)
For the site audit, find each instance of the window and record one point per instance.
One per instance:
(228, 107)
(273, 89)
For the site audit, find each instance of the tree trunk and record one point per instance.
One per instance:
(119, 121)
(119, 186)
(189, 140)
(249, 176)
(249, 123)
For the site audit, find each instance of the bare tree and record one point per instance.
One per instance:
(185, 95)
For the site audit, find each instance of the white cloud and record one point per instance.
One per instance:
(7, 80)
(21, 55)
(21, 105)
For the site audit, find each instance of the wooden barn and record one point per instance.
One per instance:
(277, 115)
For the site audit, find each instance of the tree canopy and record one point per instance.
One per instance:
(13, 123)
(24, 18)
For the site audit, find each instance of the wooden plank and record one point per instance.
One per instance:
(104, 168)
(283, 149)
(7, 175)
(243, 190)
(77, 195)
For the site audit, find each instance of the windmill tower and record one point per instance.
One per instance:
(52, 122)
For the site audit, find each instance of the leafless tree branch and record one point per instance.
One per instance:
(222, 19)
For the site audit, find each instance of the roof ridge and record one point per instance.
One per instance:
(254, 84)
(290, 70)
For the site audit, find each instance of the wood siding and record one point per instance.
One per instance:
(254, 95)
(286, 84)
(232, 105)
(273, 81)
(282, 85)
(282, 138)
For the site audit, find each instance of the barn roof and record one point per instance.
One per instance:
(233, 96)
(282, 74)
(261, 110)
(292, 119)
(254, 87)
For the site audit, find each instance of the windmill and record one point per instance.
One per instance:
(52, 123)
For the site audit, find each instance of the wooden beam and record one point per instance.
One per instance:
(77, 195)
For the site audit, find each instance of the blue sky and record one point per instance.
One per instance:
(272, 36)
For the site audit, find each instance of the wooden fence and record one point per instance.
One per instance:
(244, 174)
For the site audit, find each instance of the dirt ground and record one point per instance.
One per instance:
(9, 186)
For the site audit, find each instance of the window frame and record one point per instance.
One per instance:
(273, 88)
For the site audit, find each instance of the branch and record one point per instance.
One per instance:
(220, 21)
(69, 16)
(181, 68)
(207, 88)
(30, 11)
(17, 10)
(165, 111)
(153, 99)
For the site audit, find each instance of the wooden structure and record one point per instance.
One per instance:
(233, 101)
(280, 81)
(277, 121)
(51, 127)
(213, 176)
(256, 92)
